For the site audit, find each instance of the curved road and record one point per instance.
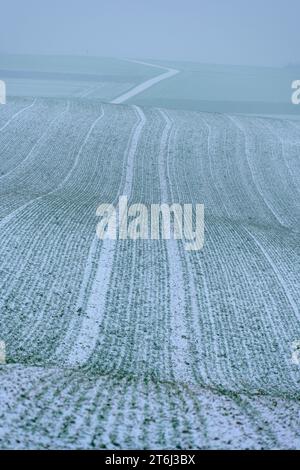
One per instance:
(147, 84)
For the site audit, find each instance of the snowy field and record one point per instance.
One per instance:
(71, 77)
(226, 89)
(121, 344)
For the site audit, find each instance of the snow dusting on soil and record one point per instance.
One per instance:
(122, 344)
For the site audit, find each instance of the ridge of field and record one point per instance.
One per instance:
(71, 76)
(225, 89)
(142, 344)
(198, 87)
(165, 75)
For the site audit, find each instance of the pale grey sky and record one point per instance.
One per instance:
(262, 32)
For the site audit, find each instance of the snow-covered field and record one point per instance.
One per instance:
(122, 344)
(225, 89)
(73, 77)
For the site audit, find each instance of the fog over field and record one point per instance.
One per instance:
(236, 32)
(135, 341)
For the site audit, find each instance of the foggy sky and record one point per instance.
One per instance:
(262, 32)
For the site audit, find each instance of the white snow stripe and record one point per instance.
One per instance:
(257, 186)
(132, 150)
(18, 114)
(283, 150)
(89, 329)
(211, 174)
(80, 152)
(36, 143)
(89, 332)
(277, 273)
(13, 214)
(147, 84)
(179, 343)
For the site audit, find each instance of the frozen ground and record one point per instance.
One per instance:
(143, 344)
(72, 77)
(226, 89)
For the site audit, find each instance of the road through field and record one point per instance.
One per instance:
(147, 84)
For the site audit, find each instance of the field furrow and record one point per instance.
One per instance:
(143, 344)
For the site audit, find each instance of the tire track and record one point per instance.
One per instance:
(18, 114)
(45, 133)
(277, 273)
(89, 332)
(179, 343)
(256, 185)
